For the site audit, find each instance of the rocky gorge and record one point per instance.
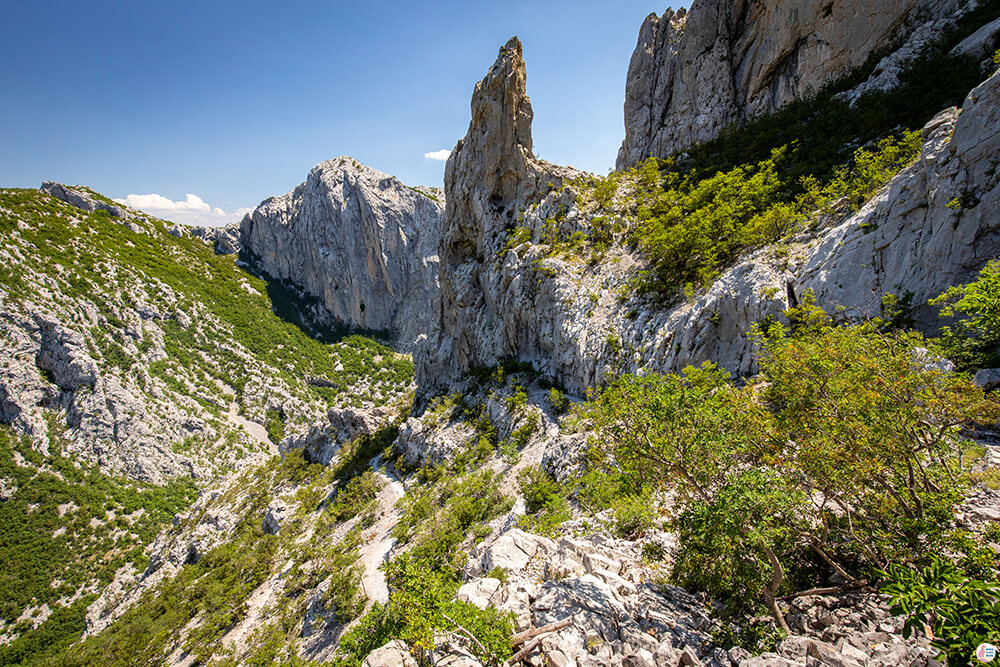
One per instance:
(273, 492)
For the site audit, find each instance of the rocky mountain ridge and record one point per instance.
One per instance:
(356, 239)
(694, 73)
(302, 556)
(504, 298)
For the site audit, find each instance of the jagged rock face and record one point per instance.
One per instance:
(358, 240)
(934, 226)
(490, 178)
(692, 74)
(80, 198)
(224, 240)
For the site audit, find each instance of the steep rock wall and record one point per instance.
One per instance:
(570, 320)
(694, 73)
(489, 180)
(357, 239)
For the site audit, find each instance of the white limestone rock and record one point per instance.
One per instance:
(393, 654)
(935, 225)
(724, 61)
(358, 240)
(79, 197)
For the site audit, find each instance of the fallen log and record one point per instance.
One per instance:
(534, 637)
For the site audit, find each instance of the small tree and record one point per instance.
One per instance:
(973, 340)
(873, 434)
(732, 547)
(686, 431)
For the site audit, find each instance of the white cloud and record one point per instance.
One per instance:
(438, 155)
(192, 210)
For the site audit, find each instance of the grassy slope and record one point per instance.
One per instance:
(221, 326)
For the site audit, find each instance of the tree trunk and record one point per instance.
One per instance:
(777, 576)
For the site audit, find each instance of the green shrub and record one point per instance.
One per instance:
(560, 401)
(633, 515)
(545, 501)
(958, 611)
(844, 412)
(357, 497)
(275, 424)
(691, 227)
(973, 340)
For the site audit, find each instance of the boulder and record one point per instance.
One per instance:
(988, 379)
(393, 654)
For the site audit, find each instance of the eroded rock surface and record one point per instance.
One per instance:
(933, 226)
(358, 240)
(724, 61)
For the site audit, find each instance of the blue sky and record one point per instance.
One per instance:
(232, 102)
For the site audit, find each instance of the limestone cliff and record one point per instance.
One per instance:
(491, 176)
(358, 240)
(508, 296)
(694, 73)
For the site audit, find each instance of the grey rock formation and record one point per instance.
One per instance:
(490, 177)
(988, 379)
(322, 441)
(620, 616)
(83, 198)
(693, 74)
(393, 654)
(933, 226)
(224, 240)
(981, 43)
(358, 240)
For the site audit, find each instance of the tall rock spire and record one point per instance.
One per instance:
(491, 177)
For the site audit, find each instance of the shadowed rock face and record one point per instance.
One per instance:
(357, 239)
(725, 61)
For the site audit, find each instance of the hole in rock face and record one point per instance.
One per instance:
(361, 307)
(827, 10)
(496, 202)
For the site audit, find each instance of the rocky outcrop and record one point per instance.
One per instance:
(612, 610)
(932, 227)
(490, 179)
(358, 240)
(322, 441)
(693, 74)
(224, 240)
(85, 199)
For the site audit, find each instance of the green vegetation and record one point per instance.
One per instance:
(195, 608)
(694, 215)
(545, 501)
(420, 605)
(961, 612)
(275, 424)
(972, 341)
(214, 308)
(453, 503)
(65, 528)
(560, 402)
(213, 590)
(439, 515)
(847, 459)
(691, 226)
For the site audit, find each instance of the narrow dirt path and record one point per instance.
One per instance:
(378, 539)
